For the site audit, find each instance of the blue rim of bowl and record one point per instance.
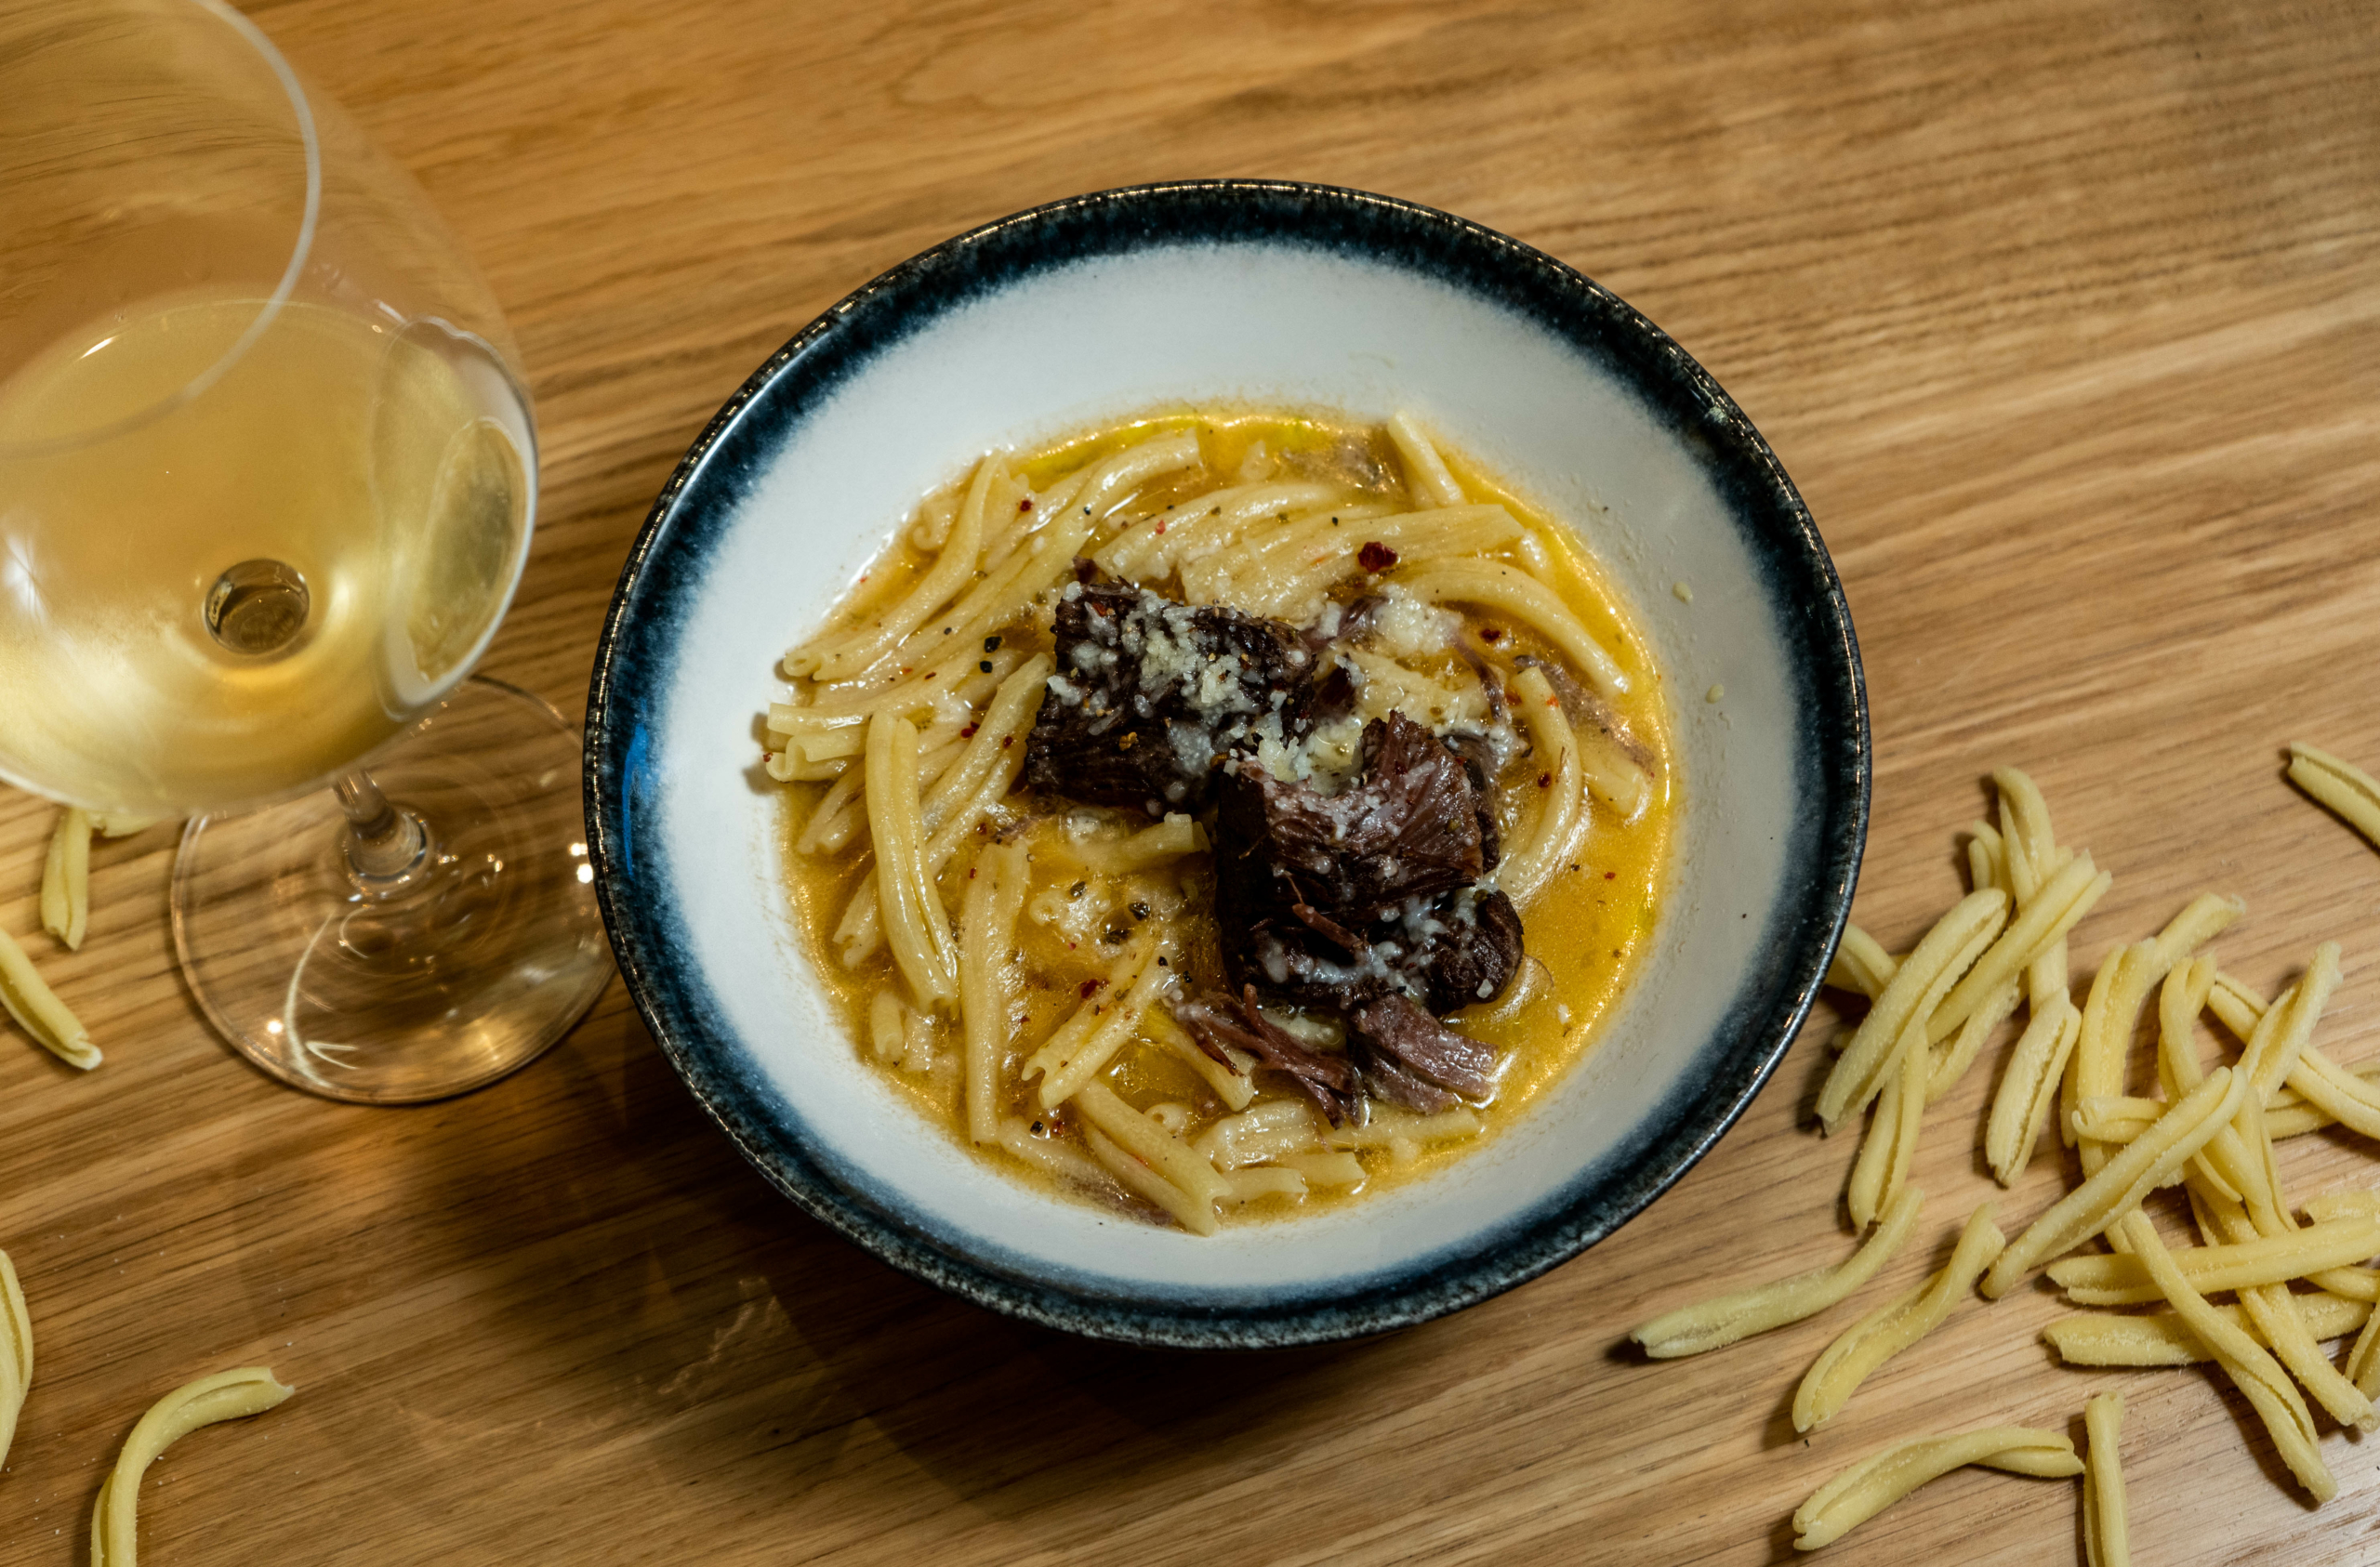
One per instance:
(1807, 918)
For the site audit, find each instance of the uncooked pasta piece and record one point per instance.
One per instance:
(2251, 1369)
(1917, 987)
(2107, 1535)
(1878, 1481)
(227, 1395)
(1708, 1324)
(16, 1353)
(2163, 1338)
(2137, 1169)
(1861, 963)
(2347, 789)
(66, 878)
(1894, 1326)
(39, 1012)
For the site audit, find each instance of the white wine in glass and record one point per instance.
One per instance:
(268, 475)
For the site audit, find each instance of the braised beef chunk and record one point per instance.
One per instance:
(1216, 1020)
(1341, 900)
(1410, 827)
(1417, 1044)
(1463, 950)
(1148, 693)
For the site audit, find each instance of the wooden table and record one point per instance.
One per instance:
(2066, 317)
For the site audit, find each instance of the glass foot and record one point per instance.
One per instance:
(445, 980)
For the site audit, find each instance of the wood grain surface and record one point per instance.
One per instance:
(2065, 315)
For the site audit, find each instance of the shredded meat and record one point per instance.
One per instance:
(1217, 1020)
(1419, 1046)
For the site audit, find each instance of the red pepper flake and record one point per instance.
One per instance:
(1610, 876)
(1091, 988)
(1024, 504)
(969, 732)
(932, 673)
(1376, 556)
(1006, 741)
(1491, 634)
(971, 872)
(1545, 780)
(1160, 526)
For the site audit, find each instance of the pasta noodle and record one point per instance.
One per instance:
(1018, 902)
(1878, 1481)
(2163, 1338)
(2106, 1533)
(1917, 987)
(2258, 1377)
(2348, 791)
(39, 1012)
(912, 910)
(1525, 598)
(2122, 1281)
(227, 1395)
(16, 1353)
(1894, 1325)
(1711, 1325)
(66, 878)
(1553, 835)
(2036, 1068)
(2103, 1199)
(1860, 963)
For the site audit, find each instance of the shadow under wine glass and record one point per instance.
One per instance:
(268, 475)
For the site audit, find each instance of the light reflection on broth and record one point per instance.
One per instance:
(937, 691)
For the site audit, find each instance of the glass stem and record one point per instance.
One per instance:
(387, 848)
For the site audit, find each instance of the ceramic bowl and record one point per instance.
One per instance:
(1246, 292)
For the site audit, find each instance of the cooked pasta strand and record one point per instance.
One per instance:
(1525, 600)
(1159, 1149)
(1062, 1078)
(1878, 1481)
(915, 925)
(1709, 1324)
(1552, 837)
(1894, 1326)
(843, 657)
(1153, 548)
(987, 925)
(1425, 472)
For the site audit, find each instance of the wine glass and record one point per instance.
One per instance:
(268, 471)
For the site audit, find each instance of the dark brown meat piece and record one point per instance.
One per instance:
(1217, 1020)
(1149, 693)
(1338, 901)
(1409, 828)
(1419, 1046)
(1463, 950)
